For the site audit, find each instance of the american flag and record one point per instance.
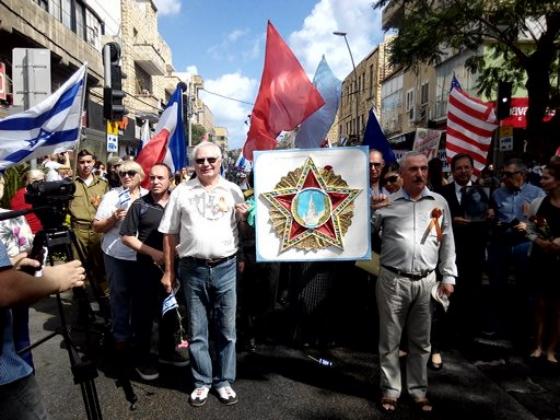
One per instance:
(470, 124)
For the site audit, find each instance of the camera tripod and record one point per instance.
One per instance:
(84, 372)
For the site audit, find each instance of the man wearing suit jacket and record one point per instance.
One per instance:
(470, 244)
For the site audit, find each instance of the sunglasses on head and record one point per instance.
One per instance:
(210, 160)
(391, 179)
(122, 174)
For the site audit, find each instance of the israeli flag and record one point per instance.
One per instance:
(51, 126)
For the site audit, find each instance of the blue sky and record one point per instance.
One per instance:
(224, 40)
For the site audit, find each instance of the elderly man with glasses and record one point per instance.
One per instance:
(509, 246)
(200, 225)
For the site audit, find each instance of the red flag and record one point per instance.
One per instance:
(286, 96)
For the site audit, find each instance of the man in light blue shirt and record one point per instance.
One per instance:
(509, 247)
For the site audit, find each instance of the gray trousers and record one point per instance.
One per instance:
(401, 302)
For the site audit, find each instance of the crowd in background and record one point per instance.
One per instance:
(506, 226)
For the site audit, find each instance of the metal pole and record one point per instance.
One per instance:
(356, 92)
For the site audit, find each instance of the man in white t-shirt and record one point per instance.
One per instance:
(200, 225)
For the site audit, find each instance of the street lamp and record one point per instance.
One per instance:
(356, 91)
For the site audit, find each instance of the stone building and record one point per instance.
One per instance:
(364, 87)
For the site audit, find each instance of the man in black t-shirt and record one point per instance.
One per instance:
(139, 231)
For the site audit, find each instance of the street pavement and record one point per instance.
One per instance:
(279, 382)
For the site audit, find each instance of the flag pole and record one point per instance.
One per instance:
(78, 143)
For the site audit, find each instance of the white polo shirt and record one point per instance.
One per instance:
(204, 220)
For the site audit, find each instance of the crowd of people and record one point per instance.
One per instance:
(191, 236)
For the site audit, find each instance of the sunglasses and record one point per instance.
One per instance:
(131, 174)
(391, 179)
(510, 174)
(375, 164)
(210, 160)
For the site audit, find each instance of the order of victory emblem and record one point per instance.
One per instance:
(311, 208)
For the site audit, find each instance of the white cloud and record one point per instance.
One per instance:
(228, 113)
(168, 7)
(361, 23)
(192, 69)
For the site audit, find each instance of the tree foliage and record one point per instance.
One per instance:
(198, 133)
(521, 40)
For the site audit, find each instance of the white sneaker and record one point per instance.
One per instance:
(199, 396)
(227, 395)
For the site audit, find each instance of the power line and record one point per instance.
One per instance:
(227, 97)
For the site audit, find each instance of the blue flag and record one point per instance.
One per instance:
(375, 139)
(315, 128)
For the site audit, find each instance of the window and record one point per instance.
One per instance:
(43, 4)
(66, 11)
(94, 29)
(424, 93)
(54, 9)
(143, 81)
(371, 81)
(80, 27)
(410, 104)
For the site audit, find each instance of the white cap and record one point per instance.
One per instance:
(439, 297)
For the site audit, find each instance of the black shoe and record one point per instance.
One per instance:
(147, 372)
(175, 359)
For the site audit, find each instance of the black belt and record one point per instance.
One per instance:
(411, 276)
(211, 262)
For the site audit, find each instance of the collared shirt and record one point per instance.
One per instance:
(458, 189)
(513, 204)
(86, 199)
(111, 243)
(408, 239)
(204, 219)
(12, 366)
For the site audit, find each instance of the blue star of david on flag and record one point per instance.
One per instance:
(51, 126)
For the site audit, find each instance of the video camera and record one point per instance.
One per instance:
(50, 201)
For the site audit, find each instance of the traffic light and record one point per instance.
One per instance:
(113, 108)
(504, 100)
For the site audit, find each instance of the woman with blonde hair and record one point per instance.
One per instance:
(120, 260)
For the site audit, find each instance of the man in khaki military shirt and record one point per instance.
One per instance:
(89, 191)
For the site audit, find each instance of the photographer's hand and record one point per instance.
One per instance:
(21, 260)
(66, 276)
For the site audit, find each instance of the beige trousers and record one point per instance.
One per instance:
(402, 302)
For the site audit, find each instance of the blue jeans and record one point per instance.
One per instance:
(121, 275)
(210, 295)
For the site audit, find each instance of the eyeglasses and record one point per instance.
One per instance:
(131, 174)
(391, 179)
(210, 160)
(510, 174)
(375, 164)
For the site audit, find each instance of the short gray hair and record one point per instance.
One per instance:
(204, 144)
(408, 155)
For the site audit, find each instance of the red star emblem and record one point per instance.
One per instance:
(311, 208)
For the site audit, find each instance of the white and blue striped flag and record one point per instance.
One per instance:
(51, 126)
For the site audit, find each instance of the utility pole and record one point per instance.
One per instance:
(356, 91)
